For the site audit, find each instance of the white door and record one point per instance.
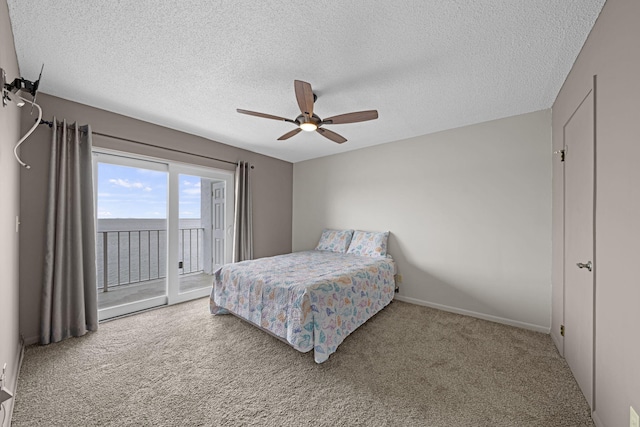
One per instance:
(579, 244)
(218, 224)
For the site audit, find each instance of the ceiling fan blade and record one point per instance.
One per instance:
(289, 134)
(265, 116)
(359, 116)
(331, 135)
(304, 96)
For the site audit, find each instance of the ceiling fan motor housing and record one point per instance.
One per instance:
(313, 119)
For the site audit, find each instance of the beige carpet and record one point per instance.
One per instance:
(408, 366)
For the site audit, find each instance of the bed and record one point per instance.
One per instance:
(313, 299)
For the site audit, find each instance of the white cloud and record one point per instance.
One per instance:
(127, 184)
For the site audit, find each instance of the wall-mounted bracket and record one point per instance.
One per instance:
(10, 93)
(18, 84)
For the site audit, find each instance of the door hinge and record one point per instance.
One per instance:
(562, 154)
(562, 330)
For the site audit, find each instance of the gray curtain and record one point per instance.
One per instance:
(242, 227)
(69, 295)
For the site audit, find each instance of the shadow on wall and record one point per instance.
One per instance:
(432, 290)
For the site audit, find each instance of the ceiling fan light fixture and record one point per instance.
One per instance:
(308, 126)
(308, 121)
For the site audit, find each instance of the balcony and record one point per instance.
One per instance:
(132, 264)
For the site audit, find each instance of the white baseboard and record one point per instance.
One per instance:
(8, 405)
(558, 343)
(596, 419)
(511, 322)
(31, 340)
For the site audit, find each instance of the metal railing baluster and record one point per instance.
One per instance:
(139, 258)
(118, 264)
(158, 254)
(129, 255)
(105, 263)
(193, 265)
(149, 253)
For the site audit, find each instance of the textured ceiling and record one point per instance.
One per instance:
(426, 66)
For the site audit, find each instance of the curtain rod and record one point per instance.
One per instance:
(50, 124)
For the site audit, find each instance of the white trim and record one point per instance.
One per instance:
(31, 340)
(173, 224)
(132, 307)
(596, 419)
(505, 321)
(191, 294)
(8, 405)
(558, 343)
(121, 159)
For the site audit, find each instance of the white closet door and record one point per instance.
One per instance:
(579, 245)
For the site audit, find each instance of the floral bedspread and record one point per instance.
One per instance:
(312, 299)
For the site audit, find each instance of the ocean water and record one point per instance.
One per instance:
(136, 249)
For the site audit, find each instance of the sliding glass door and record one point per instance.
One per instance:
(131, 240)
(204, 211)
(162, 230)
(201, 234)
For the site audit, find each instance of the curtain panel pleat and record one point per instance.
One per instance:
(242, 227)
(69, 294)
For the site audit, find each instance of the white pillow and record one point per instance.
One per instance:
(334, 240)
(369, 243)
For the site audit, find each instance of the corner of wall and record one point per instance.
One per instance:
(8, 405)
(10, 346)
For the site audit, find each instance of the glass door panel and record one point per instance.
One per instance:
(201, 233)
(131, 240)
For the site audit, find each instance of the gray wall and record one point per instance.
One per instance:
(9, 210)
(272, 186)
(469, 212)
(611, 52)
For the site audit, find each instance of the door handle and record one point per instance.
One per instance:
(588, 266)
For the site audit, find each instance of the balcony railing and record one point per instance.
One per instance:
(135, 256)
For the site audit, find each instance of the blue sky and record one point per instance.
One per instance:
(126, 192)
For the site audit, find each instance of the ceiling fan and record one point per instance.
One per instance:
(308, 121)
